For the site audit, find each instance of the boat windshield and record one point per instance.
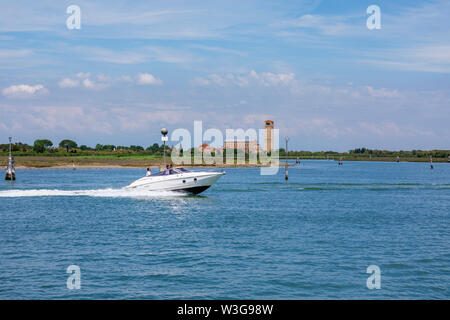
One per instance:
(166, 172)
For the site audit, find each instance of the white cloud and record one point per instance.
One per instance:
(147, 79)
(68, 83)
(219, 50)
(109, 56)
(266, 79)
(102, 81)
(126, 78)
(89, 84)
(140, 120)
(382, 93)
(70, 119)
(327, 25)
(319, 126)
(83, 74)
(391, 129)
(137, 55)
(427, 58)
(199, 81)
(12, 53)
(24, 91)
(256, 119)
(439, 54)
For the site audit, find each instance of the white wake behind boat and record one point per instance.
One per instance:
(177, 179)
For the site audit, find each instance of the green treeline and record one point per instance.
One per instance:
(368, 153)
(69, 147)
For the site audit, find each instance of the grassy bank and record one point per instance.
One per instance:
(83, 161)
(104, 161)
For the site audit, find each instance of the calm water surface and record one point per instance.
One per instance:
(249, 236)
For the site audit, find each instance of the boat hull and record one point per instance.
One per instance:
(193, 190)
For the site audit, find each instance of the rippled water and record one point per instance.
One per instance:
(249, 236)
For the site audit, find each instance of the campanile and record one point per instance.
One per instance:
(269, 136)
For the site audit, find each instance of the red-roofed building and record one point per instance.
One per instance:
(206, 148)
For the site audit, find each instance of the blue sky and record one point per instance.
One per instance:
(313, 67)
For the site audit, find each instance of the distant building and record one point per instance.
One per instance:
(206, 148)
(248, 146)
(269, 136)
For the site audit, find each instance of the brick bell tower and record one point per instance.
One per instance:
(268, 145)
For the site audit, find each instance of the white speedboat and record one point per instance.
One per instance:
(177, 179)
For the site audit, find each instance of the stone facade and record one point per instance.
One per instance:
(248, 146)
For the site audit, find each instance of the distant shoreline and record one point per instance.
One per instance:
(71, 167)
(45, 162)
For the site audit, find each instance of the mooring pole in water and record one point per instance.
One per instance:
(164, 138)
(10, 171)
(286, 168)
(8, 168)
(431, 163)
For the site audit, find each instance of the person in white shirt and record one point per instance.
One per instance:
(149, 172)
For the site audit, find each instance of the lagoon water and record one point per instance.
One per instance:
(248, 236)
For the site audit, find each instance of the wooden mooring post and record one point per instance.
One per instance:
(286, 175)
